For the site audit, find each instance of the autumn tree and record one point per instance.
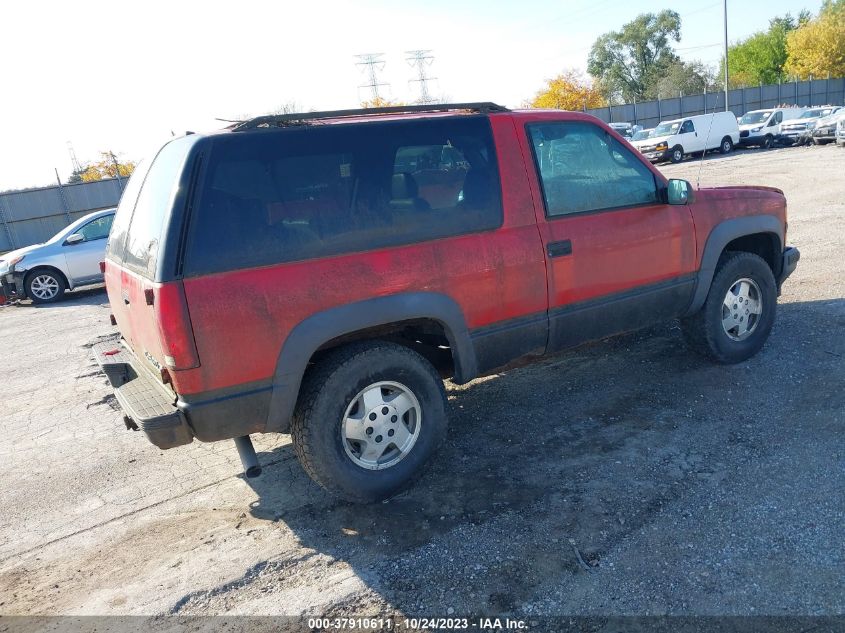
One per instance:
(380, 102)
(568, 91)
(107, 167)
(628, 62)
(817, 48)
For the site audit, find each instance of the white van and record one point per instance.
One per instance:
(672, 140)
(762, 127)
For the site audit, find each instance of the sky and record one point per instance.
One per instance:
(122, 77)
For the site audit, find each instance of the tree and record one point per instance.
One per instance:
(627, 63)
(107, 167)
(380, 102)
(817, 48)
(684, 78)
(568, 91)
(760, 58)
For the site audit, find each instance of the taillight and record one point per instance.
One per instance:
(103, 267)
(174, 326)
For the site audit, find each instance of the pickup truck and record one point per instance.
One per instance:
(320, 274)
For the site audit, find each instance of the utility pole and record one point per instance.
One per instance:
(73, 160)
(420, 59)
(374, 63)
(726, 53)
(116, 170)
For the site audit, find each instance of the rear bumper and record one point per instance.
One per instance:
(144, 400)
(789, 262)
(168, 421)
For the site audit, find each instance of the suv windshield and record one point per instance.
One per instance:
(754, 117)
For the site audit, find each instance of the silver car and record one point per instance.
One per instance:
(69, 259)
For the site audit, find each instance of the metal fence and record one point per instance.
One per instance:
(800, 93)
(30, 216)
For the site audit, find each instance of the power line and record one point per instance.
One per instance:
(374, 63)
(421, 59)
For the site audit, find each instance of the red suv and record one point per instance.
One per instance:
(319, 274)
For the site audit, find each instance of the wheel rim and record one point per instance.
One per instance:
(44, 287)
(726, 146)
(381, 425)
(742, 309)
(678, 155)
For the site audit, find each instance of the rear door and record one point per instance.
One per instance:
(137, 246)
(617, 257)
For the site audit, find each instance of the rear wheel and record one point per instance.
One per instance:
(43, 285)
(726, 146)
(369, 417)
(677, 154)
(738, 314)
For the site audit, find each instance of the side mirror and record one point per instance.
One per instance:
(74, 238)
(679, 192)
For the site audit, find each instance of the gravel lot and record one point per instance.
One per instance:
(628, 477)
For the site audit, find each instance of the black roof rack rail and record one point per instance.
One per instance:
(279, 120)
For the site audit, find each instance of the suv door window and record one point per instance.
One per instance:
(776, 119)
(286, 195)
(687, 128)
(97, 229)
(583, 168)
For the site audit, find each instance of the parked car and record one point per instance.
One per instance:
(824, 130)
(792, 131)
(672, 140)
(624, 128)
(290, 276)
(762, 128)
(840, 132)
(639, 138)
(68, 260)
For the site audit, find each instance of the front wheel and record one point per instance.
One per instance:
(369, 417)
(677, 154)
(739, 311)
(43, 285)
(768, 141)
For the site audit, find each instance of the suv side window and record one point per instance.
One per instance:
(97, 229)
(687, 128)
(279, 196)
(583, 168)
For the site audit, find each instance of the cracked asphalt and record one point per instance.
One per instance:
(627, 477)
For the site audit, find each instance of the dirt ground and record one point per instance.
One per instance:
(627, 477)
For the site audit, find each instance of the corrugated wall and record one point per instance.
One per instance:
(34, 215)
(801, 93)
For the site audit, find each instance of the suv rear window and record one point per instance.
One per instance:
(279, 196)
(148, 201)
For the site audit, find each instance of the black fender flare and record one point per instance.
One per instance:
(313, 332)
(721, 235)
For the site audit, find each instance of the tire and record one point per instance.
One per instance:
(44, 285)
(331, 401)
(707, 331)
(768, 141)
(726, 146)
(677, 154)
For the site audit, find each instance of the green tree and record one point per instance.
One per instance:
(627, 63)
(761, 57)
(684, 78)
(817, 48)
(568, 91)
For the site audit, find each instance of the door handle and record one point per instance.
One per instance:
(559, 249)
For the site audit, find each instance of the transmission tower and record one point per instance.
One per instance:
(421, 59)
(76, 166)
(373, 63)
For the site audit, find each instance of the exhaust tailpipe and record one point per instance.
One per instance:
(248, 457)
